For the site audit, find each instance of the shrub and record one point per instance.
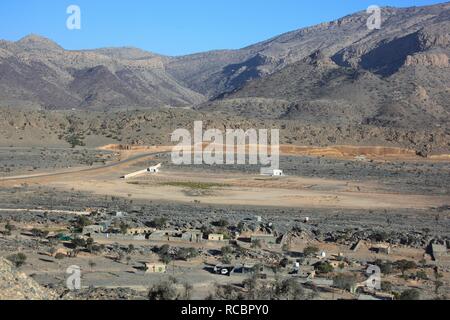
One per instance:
(422, 275)
(17, 259)
(405, 265)
(310, 251)
(386, 286)
(157, 223)
(385, 267)
(60, 256)
(39, 233)
(164, 291)
(186, 254)
(410, 294)
(222, 223)
(344, 281)
(226, 250)
(82, 221)
(79, 242)
(324, 267)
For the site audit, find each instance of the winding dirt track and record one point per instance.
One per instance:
(69, 173)
(238, 189)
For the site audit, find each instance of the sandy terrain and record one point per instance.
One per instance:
(234, 189)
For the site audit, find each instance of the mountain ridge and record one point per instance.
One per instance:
(333, 72)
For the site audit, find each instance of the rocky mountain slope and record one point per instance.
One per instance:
(15, 285)
(338, 72)
(36, 72)
(347, 40)
(398, 75)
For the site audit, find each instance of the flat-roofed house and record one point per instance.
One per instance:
(216, 237)
(192, 236)
(155, 267)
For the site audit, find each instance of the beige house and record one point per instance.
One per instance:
(155, 268)
(139, 231)
(216, 237)
(382, 248)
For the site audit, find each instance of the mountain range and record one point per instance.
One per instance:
(335, 72)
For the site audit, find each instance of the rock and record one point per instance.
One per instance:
(15, 285)
(439, 60)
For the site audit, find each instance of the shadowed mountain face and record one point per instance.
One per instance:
(344, 73)
(35, 72)
(335, 72)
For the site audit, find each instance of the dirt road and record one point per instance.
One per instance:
(237, 189)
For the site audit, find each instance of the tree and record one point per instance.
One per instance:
(410, 294)
(157, 223)
(9, 227)
(222, 223)
(164, 291)
(186, 254)
(75, 140)
(310, 251)
(385, 267)
(289, 289)
(79, 242)
(405, 265)
(344, 281)
(82, 221)
(386, 286)
(226, 250)
(39, 233)
(284, 262)
(123, 228)
(324, 267)
(422, 275)
(166, 259)
(17, 259)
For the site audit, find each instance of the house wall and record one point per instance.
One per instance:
(156, 268)
(215, 237)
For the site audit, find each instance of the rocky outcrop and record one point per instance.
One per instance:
(439, 60)
(15, 285)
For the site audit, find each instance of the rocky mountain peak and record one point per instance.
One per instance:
(37, 42)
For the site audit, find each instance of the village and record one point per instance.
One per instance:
(223, 256)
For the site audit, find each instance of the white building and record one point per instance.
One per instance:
(154, 169)
(277, 173)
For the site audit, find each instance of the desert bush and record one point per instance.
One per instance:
(324, 267)
(410, 294)
(344, 281)
(17, 259)
(310, 251)
(163, 291)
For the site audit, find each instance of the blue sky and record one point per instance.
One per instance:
(173, 27)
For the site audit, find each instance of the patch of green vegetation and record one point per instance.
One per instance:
(194, 185)
(75, 140)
